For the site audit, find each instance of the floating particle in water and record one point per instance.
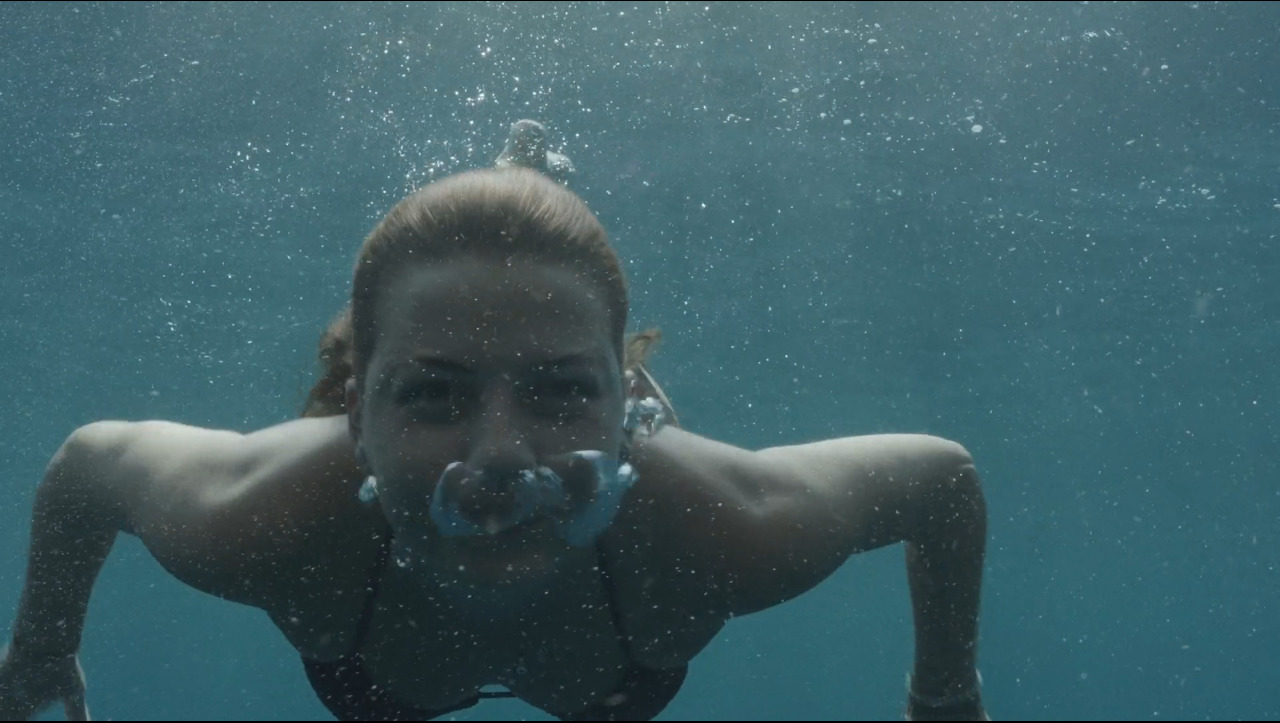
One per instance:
(977, 128)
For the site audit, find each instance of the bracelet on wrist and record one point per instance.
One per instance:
(968, 696)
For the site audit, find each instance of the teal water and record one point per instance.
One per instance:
(1048, 231)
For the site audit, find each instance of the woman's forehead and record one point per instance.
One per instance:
(472, 308)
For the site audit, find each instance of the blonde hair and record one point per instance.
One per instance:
(498, 214)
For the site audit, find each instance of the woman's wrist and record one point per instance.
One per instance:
(31, 648)
(953, 702)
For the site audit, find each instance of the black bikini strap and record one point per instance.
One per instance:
(611, 594)
(373, 584)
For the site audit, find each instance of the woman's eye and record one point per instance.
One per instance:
(424, 392)
(434, 399)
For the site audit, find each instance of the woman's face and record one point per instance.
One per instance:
(500, 367)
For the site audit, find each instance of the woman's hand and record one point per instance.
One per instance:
(31, 683)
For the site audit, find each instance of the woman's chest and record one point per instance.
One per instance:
(437, 652)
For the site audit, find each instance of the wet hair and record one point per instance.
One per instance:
(328, 395)
(497, 215)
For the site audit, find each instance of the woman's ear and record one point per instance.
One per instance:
(352, 394)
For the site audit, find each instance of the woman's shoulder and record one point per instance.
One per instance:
(170, 453)
(232, 513)
(115, 440)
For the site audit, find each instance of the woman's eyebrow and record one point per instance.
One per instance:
(434, 363)
(430, 363)
(569, 363)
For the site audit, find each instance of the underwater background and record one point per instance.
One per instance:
(1045, 230)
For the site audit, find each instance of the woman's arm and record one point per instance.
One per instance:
(763, 527)
(221, 511)
(73, 527)
(233, 515)
(923, 491)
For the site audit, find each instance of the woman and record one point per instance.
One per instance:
(499, 502)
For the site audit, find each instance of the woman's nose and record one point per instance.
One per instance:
(500, 445)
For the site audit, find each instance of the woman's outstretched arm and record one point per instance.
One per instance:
(763, 527)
